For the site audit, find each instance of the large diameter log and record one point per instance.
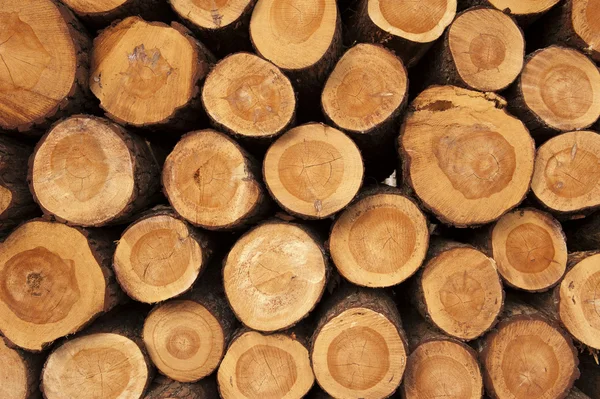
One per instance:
(249, 97)
(358, 348)
(407, 28)
(265, 366)
(524, 11)
(558, 91)
(459, 290)
(313, 171)
(528, 356)
(274, 275)
(99, 13)
(54, 280)
(148, 73)
(466, 159)
(20, 373)
(380, 240)
(89, 171)
(45, 64)
(364, 96)
(529, 248)
(164, 388)
(160, 256)
(567, 172)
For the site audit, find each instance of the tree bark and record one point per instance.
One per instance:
(589, 382)
(525, 12)
(165, 388)
(20, 373)
(583, 234)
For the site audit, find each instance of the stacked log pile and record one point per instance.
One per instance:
(285, 199)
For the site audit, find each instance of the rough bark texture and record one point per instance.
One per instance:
(524, 20)
(165, 388)
(583, 234)
(589, 382)
(152, 10)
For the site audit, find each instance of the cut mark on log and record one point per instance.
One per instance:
(572, 172)
(296, 21)
(413, 16)
(147, 73)
(529, 248)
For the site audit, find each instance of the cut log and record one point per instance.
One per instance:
(529, 248)
(467, 160)
(459, 290)
(524, 11)
(222, 25)
(148, 73)
(589, 382)
(160, 256)
(249, 97)
(482, 50)
(358, 348)
(45, 65)
(439, 366)
(274, 275)
(89, 171)
(527, 356)
(100, 13)
(313, 171)
(165, 388)
(213, 183)
(380, 240)
(408, 28)
(16, 202)
(364, 96)
(54, 280)
(558, 91)
(567, 172)
(19, 374)
(265, 366)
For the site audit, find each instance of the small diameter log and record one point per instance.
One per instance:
(524, 11)
(16, 202)
(249, 97)
(89, 171)
(482, 50)
(527, 356)
(358, 348)
(45, 64)
(265, 366)
(148, 73)
(567, 172)
(364, 96)
(19, 374)
(529, 248)
(54, 280)
(466, 159)
(274, 275)
(165, 388)
(213, 183)
(159, 256)
(313, 171)
(222, 25)
(589, 382)
(380, 240)
(558, 91)
(99, 13)
(459, 290)
(408, 28)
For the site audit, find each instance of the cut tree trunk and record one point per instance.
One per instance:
(249, 98)
(529, 248)
(303, 38)
(147, 74)
(45, 65)
(567, 172)
(274, 275)
(160, 256)
(359, 334)
(408, 28)
(380, 240)
(313, 171)
(16, 202)
(482, 50)
(213, 183)
(55, 280)
(222, 25)
(265, 366)
(558, 91)
(364, 96)
(438, 366)
(528, 356)
(459, 290)
(165, 388)
(20, 373)
(91, 172)
(186, 338)
(466, 159)
(589, 382)
(524, 11)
